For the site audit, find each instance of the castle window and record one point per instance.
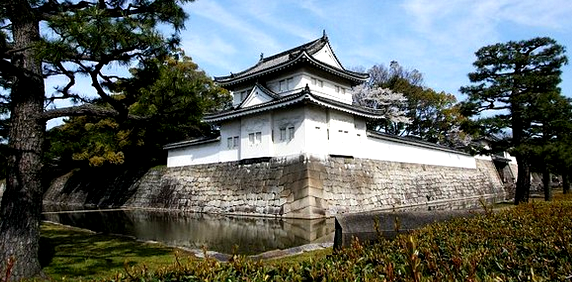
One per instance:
(287, 134)
(235, 142)
(282, 85)
(232, 142)
(255, 138)
(320, 83)
(313, 81)
(290, 83)
(337, 89)
(290, 133)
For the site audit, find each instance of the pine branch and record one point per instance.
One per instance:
(52, 9)
(87, 110)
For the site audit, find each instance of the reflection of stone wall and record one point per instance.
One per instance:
(249, 235)
(302, 187)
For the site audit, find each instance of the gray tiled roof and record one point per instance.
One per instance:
(304, 96)
(286, 58)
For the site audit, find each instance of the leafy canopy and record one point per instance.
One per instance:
(172, 91)
(422, 112)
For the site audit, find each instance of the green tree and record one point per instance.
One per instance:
(551, 127)
(172, 90)
(509, 78)
(548, 124)
(77, 38)
(433, 116)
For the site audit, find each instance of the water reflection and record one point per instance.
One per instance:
(249, 235)
(221, 233)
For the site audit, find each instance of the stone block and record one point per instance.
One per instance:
(362, 225)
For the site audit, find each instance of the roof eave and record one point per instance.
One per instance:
(189, 143)
(294, 99)
(303, 56)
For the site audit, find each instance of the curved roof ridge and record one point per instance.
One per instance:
(266, 90)
(306, 46)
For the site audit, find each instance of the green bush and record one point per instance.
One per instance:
(526, 243)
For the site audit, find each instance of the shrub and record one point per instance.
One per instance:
(529, 242)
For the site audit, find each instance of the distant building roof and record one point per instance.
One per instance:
(301, 54)
(193, 142)
(304, 96)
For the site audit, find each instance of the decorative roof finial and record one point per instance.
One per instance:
(261, 56)
(324, 33)
(307, 88)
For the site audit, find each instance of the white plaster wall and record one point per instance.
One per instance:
(286, 119)
(192, 155)
(252, 124)
(229, 129)
(342, 134)
(316, 131)
(388, 150)
(297, 84)
(328, 89)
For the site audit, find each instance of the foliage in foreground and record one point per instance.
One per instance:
(527, 243)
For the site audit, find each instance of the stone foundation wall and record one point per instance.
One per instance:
(363, 185)
(301, 187)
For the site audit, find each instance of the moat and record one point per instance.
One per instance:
(219, 233)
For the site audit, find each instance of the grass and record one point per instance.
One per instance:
(74, 254)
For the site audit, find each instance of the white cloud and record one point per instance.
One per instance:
(234, 22)
(545, 14)
(270, 15)
(210, 49)
(469, 22)
(454, 30)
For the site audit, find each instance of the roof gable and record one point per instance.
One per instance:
(326, 55)
(258, 95)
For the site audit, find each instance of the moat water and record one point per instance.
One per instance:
(220, 233)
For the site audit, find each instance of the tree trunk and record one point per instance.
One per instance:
(21, 206)
(546, 185)
(565, 182)
(522, 181)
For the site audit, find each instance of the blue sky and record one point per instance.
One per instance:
(437, 37)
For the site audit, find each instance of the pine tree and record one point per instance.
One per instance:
(509, 78)
(43, 38)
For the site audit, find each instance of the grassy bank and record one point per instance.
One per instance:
(530, 242)
(74, 254)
